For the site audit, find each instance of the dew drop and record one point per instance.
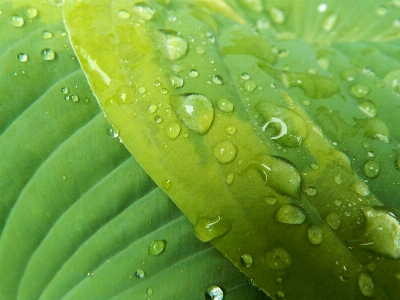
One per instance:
(338, 179)
(152, 108)
(193, 73)
(172, 130)
(230, 177)
(123, 14)
(372, 169)
(278, 259)
(277, 15)
(164, 91)
(22, 57)
(48, 54)
(310, 191)
(157, 247)
(47, 35)
(381, 11)
(224, 152)
(361, 188)
(208, 229)
(142, 90)
(366, 284)
(231, 129)
(246, 260)
(369, 108)
(64, 90)
(167, 184)
(199, 50)
(250, 86)
(393, 79)
(143, 11)
(315, 236)
(360, 91)
(176, 81)
(214, 292)
(290, 214)
(245, 76)
(225, 105)
(217, 79)
(74, 98)
(280, 294)
(172, 45)
(139, 273)
(271, 200)
(31, 12)
(158, 119)
(149, 291)
(17, 21)
(195, 111)
(329, 22)
(334, 221)
(66, 98)
(64, 177)
(113, 132)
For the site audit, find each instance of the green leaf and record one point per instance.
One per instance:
(263, 149)
(77, 213)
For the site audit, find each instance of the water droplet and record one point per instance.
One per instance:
(64, 90)
(277, 15)
(282, 53)
(112, 132)
(48, 54)
(158, 119)
(224, 152)
(278, 173)
(172, 45)
(398, 163)
(167, 184)
(245, 76)
(214, 292)
(231, 129)
(329, 22)
(360, 91)
(381, 10)
(322, 7)
(152, 108)
(123, 14)
(372, 169)
(176, 81)
(246, 260)
(225, 105)
(369, 108)
(382, 231)
(164, 91)
(64, 177)
(278, 259)
(17, 21)
(139, 273)
(47, 35)
(310, 191)
(22, 57)
(142, 90)
(217, 79)
(193, 73)
(66, 98)
(374, 128)
(230, 177)
(283, 125)
(315, 236)
(74, 98)
(290, 214)
(31, 12)
(338, 179)
(207, 229)
(143, 11)
(361, 188)
(349, 74)
(172, 130)
(366, 284)
(271, 200)
(314, 166)
(199, 50)
(280, 294)
(149, 291)
(195, 111)
(156, 247)
(334, 221)
(250, 86)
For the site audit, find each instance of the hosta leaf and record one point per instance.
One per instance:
(77, 213)
(248, 118)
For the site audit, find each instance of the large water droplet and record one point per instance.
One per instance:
(224, 152)
(156, 247)
(278, 173)
(246, 260)
(290, 214)
(278, 259)
(369, 108)
(17, 21)
(382, 232)
(143, 11)
(207, 229)
(366, 284)
(372, 169)
(172, 130)
(172, 45)
(225, 105)
(284, 126)
(48, 54)
(22, 57)
(195, 111)
(315, 236)
(334, 221)
(214, 292)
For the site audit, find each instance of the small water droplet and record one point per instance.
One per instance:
(329, 22)
(149, 291)
(224, 152)
(338, 179)
(369, 108)
(152, 108)
(245, 76)
(360, 90)
(366, 284)
(271, 200)
(217, 79)
(278, 259)
(31, 12)
(172, 130)
(372, 169)
(250, 86)
(143, 11)
(74, 98)
(361, 188)
(230, 177)
(123, 14)
(277, 15)
(231, 129)
(66, 98)
(310, 191)
(64, 177)
(112, 132)
(193, 73)
(282, 53)
(381, 10)
(195, 111)
(157, 247)
(176, 81)
(48, 54)
(64, 90)
(246, 260)
(158, 119)
(139, 273)
(199, 50)
(225, 105)
(164, 91)
(315, 236)
(22, 57)
(47, 35)
(17, 21)
(290, 214)
(334, 221)
(280, 294)
(172, 45)
(214, 292)
(167, 184)
(349, 74)
(142, 90)
(314, 166)
(207, 229)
